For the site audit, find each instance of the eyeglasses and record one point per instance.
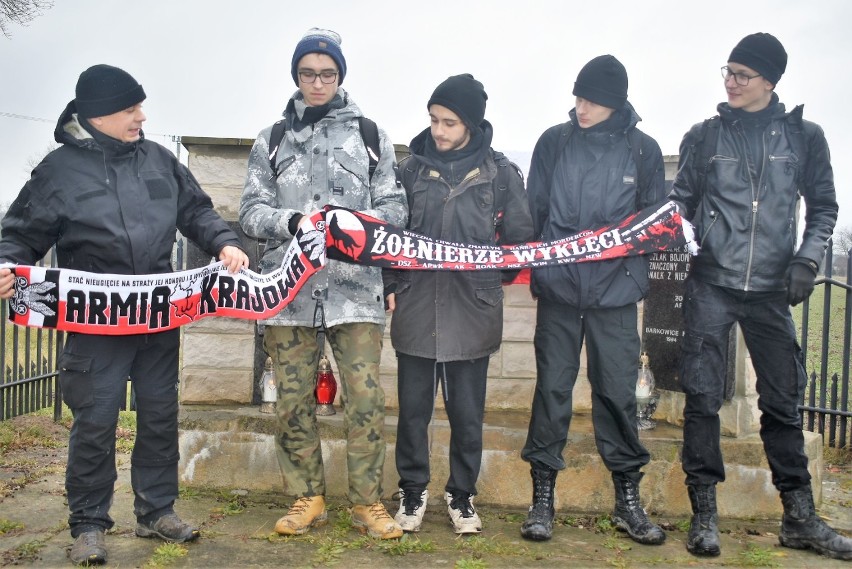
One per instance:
(327, 77)
(741, 78)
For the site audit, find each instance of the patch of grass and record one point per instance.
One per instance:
(470, 563)
(28, 552)
(616, 544)
(329, 551)
(513, 518)
(604, 525)
(405, 545)
(754, 556)
(7, 526)
(480, 546)
(166, 554)
(14, 436)
(682, 525)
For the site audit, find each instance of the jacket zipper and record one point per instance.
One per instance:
(754, 203)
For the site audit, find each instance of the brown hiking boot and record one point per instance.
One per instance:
(305, 513)
(375, 520)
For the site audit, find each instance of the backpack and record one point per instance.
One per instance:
(704, 146)
(369, 134)
(634, 143)
(409, 166)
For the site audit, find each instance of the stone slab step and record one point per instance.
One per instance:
(234, 448)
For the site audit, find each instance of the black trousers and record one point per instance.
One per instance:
(612, 351)
(463, 385)
(770, 336)
(93, 377)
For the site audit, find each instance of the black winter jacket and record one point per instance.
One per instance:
(594, 182)
(456, 315)
(747, 226)
(110, 208)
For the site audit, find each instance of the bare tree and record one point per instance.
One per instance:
(20, 12)
(842, 239)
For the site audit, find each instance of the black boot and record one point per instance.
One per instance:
(629, 515)
(801, 528)
(703, 536)
(539, 523)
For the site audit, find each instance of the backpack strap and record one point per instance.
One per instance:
(369, 134)
(634, 142)
(275, 138)
(799, 141)
(505, 168)
(704, 149)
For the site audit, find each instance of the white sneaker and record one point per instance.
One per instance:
(412, 506)
(462, 513)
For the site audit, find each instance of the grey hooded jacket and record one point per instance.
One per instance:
(324, 163)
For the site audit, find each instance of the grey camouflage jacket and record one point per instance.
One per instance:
(324, 163)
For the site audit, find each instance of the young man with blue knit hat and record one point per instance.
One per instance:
(322, 159)
(595, 169)
(739, 181)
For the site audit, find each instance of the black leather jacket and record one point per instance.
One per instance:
(747, 226)
(109, 207)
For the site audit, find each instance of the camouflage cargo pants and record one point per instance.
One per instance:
(357, 350)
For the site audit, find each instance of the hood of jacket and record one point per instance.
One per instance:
(455, 164)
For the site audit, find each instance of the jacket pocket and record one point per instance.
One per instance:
(492, 296)
(692, 377)
(75, 380)
(356, 169)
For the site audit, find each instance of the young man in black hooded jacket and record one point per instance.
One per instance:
(447, 323)
(583, 176)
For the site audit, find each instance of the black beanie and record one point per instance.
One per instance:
(318, 40)
(763, 53)
(463, 95)
(603, 81)
(103, 90)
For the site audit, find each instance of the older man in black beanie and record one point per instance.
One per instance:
(595, 169)
(110, 202)
(739, 181)
(447, 324)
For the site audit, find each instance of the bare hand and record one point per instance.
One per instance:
(234, 258)
(390, 302)
(7, 283)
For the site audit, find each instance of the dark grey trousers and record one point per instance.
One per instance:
(612, 350)
(93, 377)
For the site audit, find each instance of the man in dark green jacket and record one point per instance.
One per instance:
(446, 324)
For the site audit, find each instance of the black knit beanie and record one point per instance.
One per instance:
(603, 81)
(103, 90)
(463, 95)
(318, 40)
(763, 53)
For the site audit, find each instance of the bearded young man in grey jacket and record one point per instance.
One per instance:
(323, 160)
(583, 176)
(447, 323)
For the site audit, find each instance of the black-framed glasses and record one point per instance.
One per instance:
(327, 77)
(741, 78)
